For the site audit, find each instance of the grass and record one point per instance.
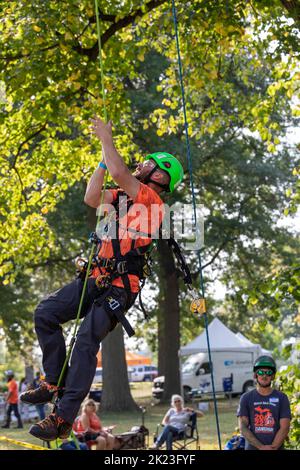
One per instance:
(154, 413)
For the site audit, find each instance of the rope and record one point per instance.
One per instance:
(73, 339)
(190, 168)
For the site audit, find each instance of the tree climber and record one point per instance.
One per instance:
(113, 283)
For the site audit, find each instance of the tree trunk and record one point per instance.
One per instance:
(116, 395)
(29, 373)
(161, 335)
(169, 337)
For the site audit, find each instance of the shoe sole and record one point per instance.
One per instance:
(31, 431)
(36, 403)
(47, 439)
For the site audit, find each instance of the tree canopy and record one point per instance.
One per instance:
(241, 73)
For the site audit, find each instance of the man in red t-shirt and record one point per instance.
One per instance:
(12, 399)
(135, 210)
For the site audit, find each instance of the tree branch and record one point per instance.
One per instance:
(23, 193)
(52, 261)
(293, 7)
(229, 238)
(92, 52)
(103, 17)
(11, 58)
(221, 248)
(25, 142)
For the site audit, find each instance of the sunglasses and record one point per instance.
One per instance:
(264, 372)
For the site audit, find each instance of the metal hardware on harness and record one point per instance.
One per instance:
(93, 238)
(198, 304)
(113, 303)
(103, 280)
(122, 267)
(80, 264)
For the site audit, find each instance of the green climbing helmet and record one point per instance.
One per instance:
(171, 165)
(265, 361)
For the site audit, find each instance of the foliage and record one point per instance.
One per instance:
(288, 381)
(242, 93)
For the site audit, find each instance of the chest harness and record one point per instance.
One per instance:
(137, 261)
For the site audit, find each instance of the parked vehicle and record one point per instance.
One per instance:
(143, 373)
(98, 376)
(233, 372)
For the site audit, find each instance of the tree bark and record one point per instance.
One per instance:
(29, 373)
(169, 337)
(161, 335)
(116, 395)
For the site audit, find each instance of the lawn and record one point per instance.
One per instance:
(154, 413)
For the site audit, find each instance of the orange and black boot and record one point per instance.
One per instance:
(51, 428)
(39, 396)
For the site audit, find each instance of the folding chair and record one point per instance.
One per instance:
(189, 436)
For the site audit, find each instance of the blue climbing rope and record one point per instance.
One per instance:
(190, 168)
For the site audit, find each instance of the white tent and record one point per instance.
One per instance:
(246, 340)
(220, 338)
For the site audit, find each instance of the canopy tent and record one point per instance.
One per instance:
(132, 359)
(220, 338)
(247, 341)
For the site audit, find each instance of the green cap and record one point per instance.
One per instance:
(171, 165)
(265, 361)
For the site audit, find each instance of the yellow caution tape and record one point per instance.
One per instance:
(22, 444)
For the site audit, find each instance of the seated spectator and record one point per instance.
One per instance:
(89, 424)
(174, 422)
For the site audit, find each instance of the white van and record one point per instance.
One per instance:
(98, 377)
(229, 367)
(143, 373)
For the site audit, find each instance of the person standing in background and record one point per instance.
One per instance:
(264, 413)
(12, 399)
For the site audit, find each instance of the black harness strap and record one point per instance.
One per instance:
(131, 263)
(116, 309)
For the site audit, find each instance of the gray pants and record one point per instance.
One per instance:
(59, 308)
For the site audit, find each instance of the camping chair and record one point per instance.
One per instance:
(189, 436)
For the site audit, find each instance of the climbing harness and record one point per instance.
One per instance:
(198, 304)
(137, 261)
